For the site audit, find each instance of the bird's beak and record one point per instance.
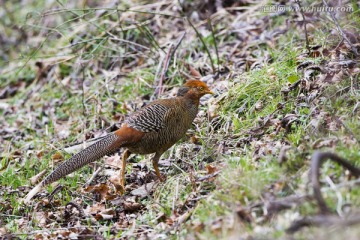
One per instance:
(209, 92)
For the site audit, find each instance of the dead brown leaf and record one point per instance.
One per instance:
(102, 190)
(244, 214)
(105, 214)
(194, 73)
(211, 169)
(144, 190)
(3, 231)
(41, 218)
(57, 157)
(132, 206)
(114, 161)
(94, 209)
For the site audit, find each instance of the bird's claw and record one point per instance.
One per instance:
(162, 178)
(121, 187)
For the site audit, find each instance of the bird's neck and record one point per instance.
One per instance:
(192, 105)
(192, 98)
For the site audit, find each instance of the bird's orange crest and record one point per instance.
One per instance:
(196, 83)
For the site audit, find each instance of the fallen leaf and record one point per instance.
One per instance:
(57, 157)
(244, 215)
(94, 209)
(193, 72)
(40, 218)
(105, 214)
(3, 231)
(211, 169)
(131, 206)
(102, 189)
(144, 190)
(114, 161)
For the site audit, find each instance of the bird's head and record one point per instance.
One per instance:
(194, 88)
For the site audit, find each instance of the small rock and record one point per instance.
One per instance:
(144, 190)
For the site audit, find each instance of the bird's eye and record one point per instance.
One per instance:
(200, 88)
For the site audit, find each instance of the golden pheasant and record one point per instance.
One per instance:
(152, 129)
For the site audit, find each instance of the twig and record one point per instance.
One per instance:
(168, 57)
(159, 88)
(323, 220)
(339, 204)
(158, 69)
(93, 176)
(203, 42)
(306, 33)
(208, 176)
(274, 206)
(176, 194)
(357, 105)
(181, 220)
(353, 48)
(343, 184)
(83, 92)
(126, 41)
(215, 44)
(193, 72)
(316, 161)
(177, 44)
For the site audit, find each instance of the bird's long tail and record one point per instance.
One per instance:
(105, 146)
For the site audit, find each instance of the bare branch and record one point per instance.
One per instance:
(353, 48)
(316, 161)
(306, 33)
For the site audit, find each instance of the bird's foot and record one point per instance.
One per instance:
(162, 178)
(120, 188)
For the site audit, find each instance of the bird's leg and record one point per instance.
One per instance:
(155, 161)
(125, 156)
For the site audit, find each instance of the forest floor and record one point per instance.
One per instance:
(287, 98)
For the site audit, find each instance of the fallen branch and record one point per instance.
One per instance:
(306, 33)
(274, 206)
(316, 161)
(215, 44)
(205, 46)
(323, 221)
(168, 57)
(289, 202)
(93, 177)
(208, 176)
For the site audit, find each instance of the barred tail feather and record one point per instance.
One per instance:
(107, 145)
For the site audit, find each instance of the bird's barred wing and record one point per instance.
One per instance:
(150, 118)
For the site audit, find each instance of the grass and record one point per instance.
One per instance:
(241, 182)
(259, 93)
